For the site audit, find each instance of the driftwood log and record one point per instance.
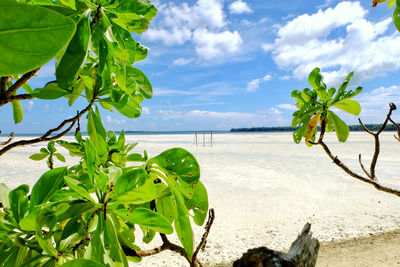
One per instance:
(303, 253)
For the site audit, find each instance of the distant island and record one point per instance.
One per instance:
(372, 127)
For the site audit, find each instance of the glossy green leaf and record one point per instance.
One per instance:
(112, 244)
(50, 91)
(199, 204)
(147, 218)
(97, 135)
(141, 52)
(46, 219)
(77, 90)
(182, 223)
(83, 263)
(138, 195)
(47, 185)
(391, 3)
(28, 223)
(95, 250)
(59, 157)
(350, 106)
(18, 201)
(38, 156)
(135, 157)
(396, 17)
(31, 40)
(78, 188)
(4, 191)
(129, 181)
(18, 111)
(341, 129)
(76, 53)
(180, 162)
(137, 79)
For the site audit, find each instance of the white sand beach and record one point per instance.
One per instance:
(264, 188)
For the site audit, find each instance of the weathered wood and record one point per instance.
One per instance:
(303, 253)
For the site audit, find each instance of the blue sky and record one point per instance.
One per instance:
(217, 65)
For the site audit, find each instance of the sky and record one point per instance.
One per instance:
(217, 65)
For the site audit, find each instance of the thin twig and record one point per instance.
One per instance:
(397, 128)
(46, 136)
(21, 81)
(363, 168)
(9, 140)
(365, 127)
(202, 244)
(355, 175)
(3, 85)
(12, 98)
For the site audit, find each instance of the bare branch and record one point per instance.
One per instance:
(397, 128)
(355, 175)
(46, 136)
(202, 244)
(363, 168)
(12, 98)
(21, 81)
(364, 127)
(3, 84)
(9, 139)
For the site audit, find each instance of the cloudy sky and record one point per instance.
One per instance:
(218, 64)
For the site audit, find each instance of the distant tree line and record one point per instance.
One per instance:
(372, 127)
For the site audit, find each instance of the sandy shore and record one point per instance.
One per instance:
(264, 188)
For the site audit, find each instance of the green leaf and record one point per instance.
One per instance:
(182, 223)
(77, 90)
(136, 157)
(97, 135)
(28, 223)
(141, 52)
(38, 156)
(50, 91)
(391, 3)
(4, 192)
(314, 78)
(45, 219)
(95, 250)
(59, 157)
(140, 194)
(76, 53)
(83, 263)
(350, 106)
(180, 162)
(18, 201)
(147, 218)
(112, 244)
(129, 181)
(18, 112)
(31, 40)
(138, 81)
(341, 129)
(78, 188)
(199, 204)
(396, 17)
(47, 185)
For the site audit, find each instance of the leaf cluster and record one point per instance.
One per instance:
(314, 106)
(92, 43)
(396, 12)
(88, 213)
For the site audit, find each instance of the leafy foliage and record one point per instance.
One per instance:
(315, 107)
(88, 214)
(396, 12)
(91, 210)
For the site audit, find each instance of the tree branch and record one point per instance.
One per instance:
(21, 81)
(363, 168)
(202, 244)
(9, 139)
(12, 98)
(3, 84)
(46, 136)
(355, 175)
(167, 245)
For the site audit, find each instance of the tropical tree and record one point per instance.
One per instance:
(86, 214)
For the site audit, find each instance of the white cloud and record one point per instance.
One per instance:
(111, 120)
(182, 61)
(274, 111)
(286, 106)
(253, 85)
(46, 108)
(210, 45)
(202, 24)
(239, 7)
(310, 41)
(284, 77)
(29, 106)
(146, 111)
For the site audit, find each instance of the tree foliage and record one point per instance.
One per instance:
(87, 214)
